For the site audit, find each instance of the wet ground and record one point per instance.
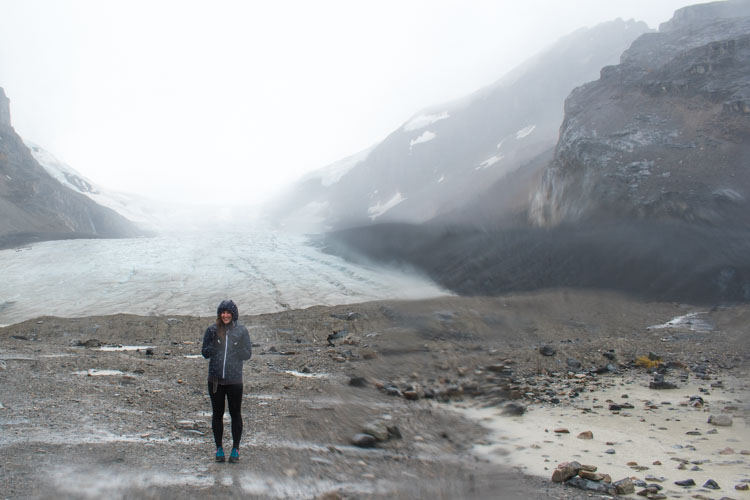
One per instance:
(116, 406)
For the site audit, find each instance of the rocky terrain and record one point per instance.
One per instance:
(384, 400)
(662, 135)
(36, 207)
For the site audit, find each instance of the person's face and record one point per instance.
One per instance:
(226, 317)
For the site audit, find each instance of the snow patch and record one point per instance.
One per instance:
(306, 375)
(425, 137)
(377, 210)
(490, 161)
(93, 372)
(422, 121)
(525, 131)
(694, 321)
(332, 173)
(124, 347)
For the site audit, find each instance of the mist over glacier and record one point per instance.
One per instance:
(190, 273)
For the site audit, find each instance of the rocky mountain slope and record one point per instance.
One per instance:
(444, 156)
(665, 134)
(36, 207)
(646, 191)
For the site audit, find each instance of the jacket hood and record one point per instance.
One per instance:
(228, 305)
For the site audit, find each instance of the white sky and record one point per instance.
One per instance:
(196, 100)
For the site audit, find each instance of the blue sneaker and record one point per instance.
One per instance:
(220, 454)
(234, 457)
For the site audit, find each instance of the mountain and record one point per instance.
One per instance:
(645, 191)
(665, 134)
(445, 156)
(150, 215)
(36, 207)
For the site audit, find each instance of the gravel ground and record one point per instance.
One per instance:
(117, 406)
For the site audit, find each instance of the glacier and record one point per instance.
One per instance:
(189, 274)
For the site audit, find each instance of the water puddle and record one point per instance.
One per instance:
(117, 483)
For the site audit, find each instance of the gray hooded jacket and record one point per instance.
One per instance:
(226, 356)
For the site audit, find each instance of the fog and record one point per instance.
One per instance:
(165, 99)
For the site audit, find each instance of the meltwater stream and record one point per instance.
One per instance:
(263, 271)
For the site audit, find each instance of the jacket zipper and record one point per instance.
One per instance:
(226, 346)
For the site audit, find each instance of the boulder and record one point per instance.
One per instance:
(722, 420)
(587, 485)
(364, 440)
(624, 486)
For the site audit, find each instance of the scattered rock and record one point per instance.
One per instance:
(573, 364)
(186, 424)
(364, 441)
(377, 429)
(565, 471)
(586, 435)
(337, 334)
(659, 383)
(587, 485)
(610, 451)
(89, 343)
(546, 350)
(594, 476)
(561, 430)
(685, 483)
(624, 486)
(514, 409)
(358, 381)
(711, 484)
(741, 487)
(722, 420)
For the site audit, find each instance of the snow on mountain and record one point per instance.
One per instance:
(421, 121)
(379, 209)
(148, 214)
(525, 131)
(332, 173)
(425, 137)
(447, 155)
(129, 206)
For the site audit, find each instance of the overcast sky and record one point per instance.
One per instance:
(189, 100)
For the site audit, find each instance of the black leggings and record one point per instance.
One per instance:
(233, 394)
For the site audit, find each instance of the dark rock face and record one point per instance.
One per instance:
(663, 135)
(445, 156)
(36, 207)
(4, 109)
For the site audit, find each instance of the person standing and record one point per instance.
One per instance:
(226, 344)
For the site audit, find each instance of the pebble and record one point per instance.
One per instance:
(586, 435)
(711, 484)
(685, 483)
(364, 440)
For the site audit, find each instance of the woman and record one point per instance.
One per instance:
(226, 344)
